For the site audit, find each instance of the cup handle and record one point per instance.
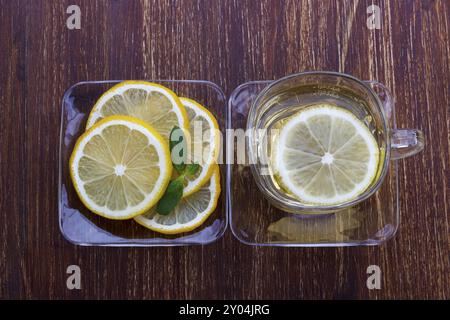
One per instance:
(406, 143)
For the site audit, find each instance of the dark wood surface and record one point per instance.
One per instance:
(227, 42)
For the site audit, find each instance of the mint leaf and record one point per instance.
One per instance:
(178, 149)
(192, 169)
(178, 154)
(171, 197)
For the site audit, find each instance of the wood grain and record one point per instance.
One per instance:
(227, 42)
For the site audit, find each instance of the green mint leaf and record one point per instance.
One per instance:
(171, 197)
(178, 149)
(179, 167)
(192, 169)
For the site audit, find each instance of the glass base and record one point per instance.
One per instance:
(82, 227)
(254, 221)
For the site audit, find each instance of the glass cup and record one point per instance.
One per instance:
(369, 101)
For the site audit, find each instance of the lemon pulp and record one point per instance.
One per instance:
(325, 155)
(120, 167)
(155, 104)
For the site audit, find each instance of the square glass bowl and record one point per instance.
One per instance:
(254, 221)
(82, 227)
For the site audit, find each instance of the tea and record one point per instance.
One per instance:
(332, 154)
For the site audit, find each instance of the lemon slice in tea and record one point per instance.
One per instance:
(325, 155)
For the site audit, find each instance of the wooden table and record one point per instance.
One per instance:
(227, 42)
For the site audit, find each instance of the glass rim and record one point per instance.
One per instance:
(320, 209)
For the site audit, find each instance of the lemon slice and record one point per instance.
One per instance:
(190, 212)
(120, 167)
(325, 155)
(205, 144)
(151, 102)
